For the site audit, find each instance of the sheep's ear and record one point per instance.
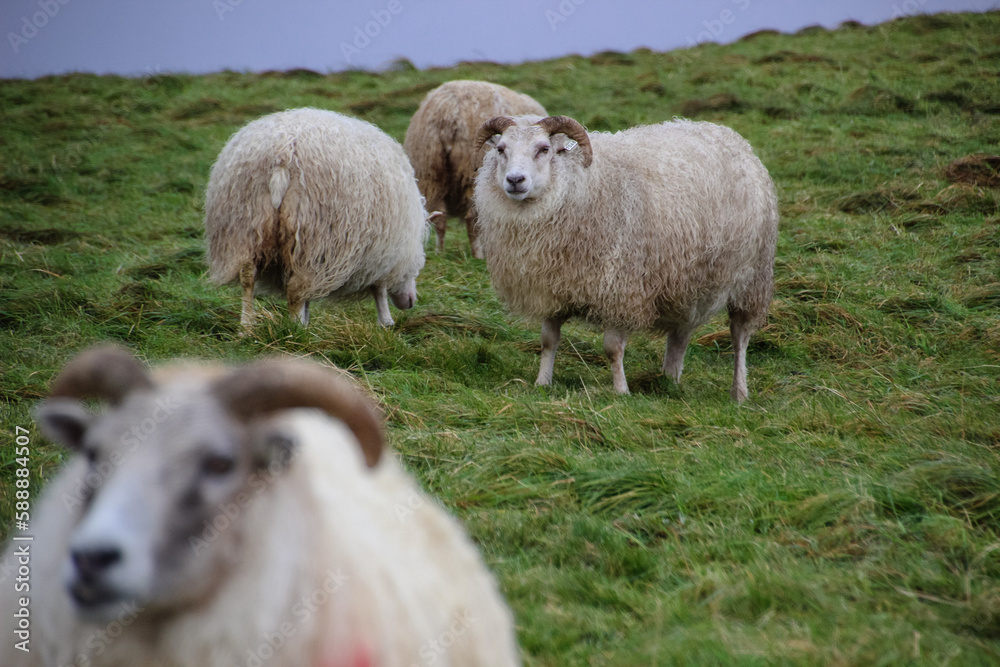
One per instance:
(64, 420)
(564, 144)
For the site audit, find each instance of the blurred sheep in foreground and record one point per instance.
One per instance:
(247, 516)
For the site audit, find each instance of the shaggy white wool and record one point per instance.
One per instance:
(314, 203)
(668, 225)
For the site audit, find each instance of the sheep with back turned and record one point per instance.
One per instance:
(315, 204)
(439, 144)
(652, 228)
(245, 516)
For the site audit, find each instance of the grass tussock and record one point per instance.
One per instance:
(848, 513)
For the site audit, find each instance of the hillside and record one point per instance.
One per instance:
(846, 514)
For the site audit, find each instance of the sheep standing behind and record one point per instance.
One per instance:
(439, 144)
(314, 203)
(653, 228)
(206, 521)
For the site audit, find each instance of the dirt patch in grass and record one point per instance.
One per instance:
(403, 100)
(300, 73)
(785, 56)
(40, 190)
(423, 326)
(979, 169)
(876, 101)
(965, 198)
(254, 110)
(717, 102)
(612, 58)
(197, 109)
(767, 32)
(418, 90)
(810, 30)
(875, 201)
(950, 97)
(44, 236)
(924, 24)
(983, 297)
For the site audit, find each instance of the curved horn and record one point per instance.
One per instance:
(573, 130)
(495, 125)
(107, 372)
(267, 386)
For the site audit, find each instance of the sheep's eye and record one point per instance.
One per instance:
(217, 465)
(543, 150)
(91, 455)
(501, 149)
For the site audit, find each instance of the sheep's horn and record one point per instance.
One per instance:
(495, 125)
(281, 384)
(107, 372)
(573, 130)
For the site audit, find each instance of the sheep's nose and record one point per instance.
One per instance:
(93, 562)
(515, 179)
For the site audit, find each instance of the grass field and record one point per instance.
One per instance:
(847, 514)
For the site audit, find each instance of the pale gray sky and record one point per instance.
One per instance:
(135, 37)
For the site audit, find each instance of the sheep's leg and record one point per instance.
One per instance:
(472, 227)
(248, 274)
(440, 222)
(296, 287)
(739, 331)
(298, 309)
(673, 356)
(381, 295)
(614, 347)
(551, 329)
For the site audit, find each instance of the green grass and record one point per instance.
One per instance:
(848, 513)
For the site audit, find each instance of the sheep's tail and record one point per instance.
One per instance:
(278, 186)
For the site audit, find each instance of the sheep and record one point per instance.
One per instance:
(208, 519)
(314, 203)
(652, 228)
(439, 140)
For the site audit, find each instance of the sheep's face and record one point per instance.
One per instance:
(404, 295)
(168, 474)
(530, 152)
(167, 479)
(522, 165)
